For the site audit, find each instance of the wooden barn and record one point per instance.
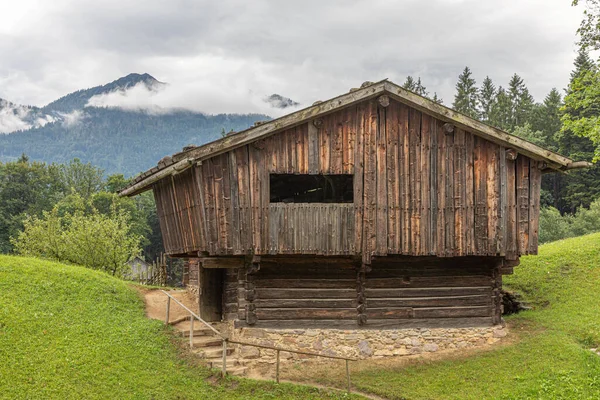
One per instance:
(376, 209)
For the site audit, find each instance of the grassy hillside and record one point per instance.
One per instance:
(547, 355)
(71, 333)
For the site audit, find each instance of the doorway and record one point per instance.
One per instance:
(211, 294)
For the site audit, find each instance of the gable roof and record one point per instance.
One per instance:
(183, 160)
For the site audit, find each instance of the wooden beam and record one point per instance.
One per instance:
(144, 184)
(223, 262)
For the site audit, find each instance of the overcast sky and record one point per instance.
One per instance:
(219, 56)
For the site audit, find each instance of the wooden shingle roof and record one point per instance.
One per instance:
(191, 154)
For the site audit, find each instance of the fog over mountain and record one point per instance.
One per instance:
(124, 126)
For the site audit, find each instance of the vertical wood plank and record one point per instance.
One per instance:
(424, 170)
(522, 204)
(381, 229)
(469, 195)
(414, 128)
(511, 217)
(393, 180)
(535, 181)
(359, 159)
(405, 186)
(480, 180)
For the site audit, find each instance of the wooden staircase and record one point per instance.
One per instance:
(206, 345)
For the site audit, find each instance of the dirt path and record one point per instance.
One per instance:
(156, 304)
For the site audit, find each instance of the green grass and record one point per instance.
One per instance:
(551, 358)
(71, 333)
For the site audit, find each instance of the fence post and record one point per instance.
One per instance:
(191, 331)
(168, 309)
(348, 375)
(277, 370)
(224, 371)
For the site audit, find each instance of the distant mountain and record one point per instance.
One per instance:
(117, 140)
(278, 101)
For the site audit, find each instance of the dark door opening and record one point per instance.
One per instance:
(211, 294)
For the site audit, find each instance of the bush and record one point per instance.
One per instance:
(554, 226)
(94, 240)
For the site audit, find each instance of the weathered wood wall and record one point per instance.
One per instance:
(397, 292)
(418, 190)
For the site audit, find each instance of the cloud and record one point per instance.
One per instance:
(223, 56)
(219, 85)
(11, 121)
(73, 118)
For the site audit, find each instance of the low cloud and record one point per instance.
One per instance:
(72, 119)
(11, 121)
(208, 84)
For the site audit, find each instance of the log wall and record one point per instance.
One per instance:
(420, 189)
(395, 293)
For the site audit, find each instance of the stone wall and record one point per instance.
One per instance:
(361, 343)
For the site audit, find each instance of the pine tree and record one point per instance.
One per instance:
(487, 97)
(465, 100)
(437, 99)
(409, 83)
(500, 113)
(521, 102)
(582, 63)
(546, 118)
(415, 86)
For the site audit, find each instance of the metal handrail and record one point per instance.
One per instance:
(191, 313)
(225, 339)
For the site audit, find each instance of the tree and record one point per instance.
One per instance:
(500, 114)
(415, 86)
(525, 132)
(589, 29)
(521, 102)
(84, 179)
(583, 63)
(97, 241)
(466, 99)
(487, 97)
(26, 188)
(545, 117)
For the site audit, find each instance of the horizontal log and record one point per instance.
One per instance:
(306, 303)
(223, 262)
(372, 323)
(453, 312)
(387, 313)
(428, 281)
(427, 292)
(448, 301)
(305, 313)
(269, 293)
(307, 283)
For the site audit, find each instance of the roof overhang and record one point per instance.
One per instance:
(183, 160)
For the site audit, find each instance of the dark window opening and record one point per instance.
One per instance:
(289, 188)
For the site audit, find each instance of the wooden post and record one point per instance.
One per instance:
(348, 375)
(277, 370)
(168, 309)
(224, 371)
(191, 331)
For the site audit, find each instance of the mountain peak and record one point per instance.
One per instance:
(79, 99)
(278, 101)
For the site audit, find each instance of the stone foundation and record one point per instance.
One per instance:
(360, 344)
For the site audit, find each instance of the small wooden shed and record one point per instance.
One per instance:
(378, 208)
